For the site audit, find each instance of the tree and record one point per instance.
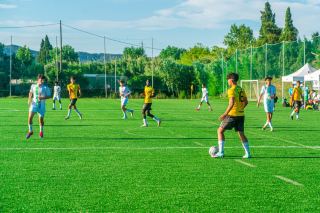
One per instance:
(25, 56)
(172, 52)
(195, 53)
(45, 47)
(289, 33)
(269, 31)
(133, 52)
(239, 37)
(69, 54)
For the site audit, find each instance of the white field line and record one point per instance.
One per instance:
(245, 163)
(288, 180)
(292, 142)
(77, 148)
(177, 134)
(200, 144)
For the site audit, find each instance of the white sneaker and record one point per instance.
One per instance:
(124, 118)
(80, 116)
(271, 130)
(247, 156)
(66, 118)
(264, 127)
(144, 125)
(159, 122)
(132, 112)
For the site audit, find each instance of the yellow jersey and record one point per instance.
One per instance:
(148, 91)
(297, 92)
(238, 94)
(74, 90)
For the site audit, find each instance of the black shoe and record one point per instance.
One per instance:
(291, 116)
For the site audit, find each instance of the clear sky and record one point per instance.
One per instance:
(181, 23)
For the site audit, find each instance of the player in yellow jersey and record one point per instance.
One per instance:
(296, 99)
(148, 94)
(73, 89)
(234, 116)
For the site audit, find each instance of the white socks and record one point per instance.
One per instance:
(221, 146)
(270, 124)
(293, 113)
(155, 118)
(199, 107)
(145, 121)
(210, 106)
(69, 112)
(54, 105)
(60, 106)
(77, 111)
(41, 128)
(246, 147)
(125, 114)
(298, 115)
(266, 123)
(30, 127)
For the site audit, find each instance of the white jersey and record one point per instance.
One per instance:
(37, 91)
(56, 91)
(204, 91)
(124, 91)
(314, 95)
(267, 93)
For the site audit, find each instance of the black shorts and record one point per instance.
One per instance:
(236, 122)
(73, 102)
(146, 106)
(297, 104)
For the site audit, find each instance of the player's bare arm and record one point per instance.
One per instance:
(79, 93)
(29, 100)
(259, 100)
(231, 103)
(43, 98)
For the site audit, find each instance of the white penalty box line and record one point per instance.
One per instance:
(88, 148)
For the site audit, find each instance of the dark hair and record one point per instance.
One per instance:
(313, 91)
(41, 76)
(270, 78)
(203, 84)
(299, 82)
(148, 79)
(56, 82)
(121, 81)
(72, 77)
(234, 76)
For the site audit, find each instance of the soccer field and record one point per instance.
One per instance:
(105, 164)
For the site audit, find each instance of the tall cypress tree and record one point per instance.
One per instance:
(269, 31)
(45, 47)
(289, 33)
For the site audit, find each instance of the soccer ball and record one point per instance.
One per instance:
(213, 150)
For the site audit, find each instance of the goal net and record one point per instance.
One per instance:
(251, 87)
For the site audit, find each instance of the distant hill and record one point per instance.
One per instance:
(83, 56)
(98, 57)
(15, 49)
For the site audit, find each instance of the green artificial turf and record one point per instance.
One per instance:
(105, 164)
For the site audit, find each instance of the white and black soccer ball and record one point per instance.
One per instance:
(213, 150)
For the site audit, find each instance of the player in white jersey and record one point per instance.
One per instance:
(40, 93)
(124, 93)
(204, 98)
(56, 95)
(269, 92)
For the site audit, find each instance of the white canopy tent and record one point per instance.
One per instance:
(298, 75)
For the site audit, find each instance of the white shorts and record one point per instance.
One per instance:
(269, 107)
(205, 99)
(41, 111)
(124, 101)
(57, 98)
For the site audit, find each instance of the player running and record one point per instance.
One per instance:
(297, 96)
(205, 98)
(56, 95)
(40, 93)
(124, 93)
(73, 95)
(269, 92)
(148, 93)
(234, 116)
